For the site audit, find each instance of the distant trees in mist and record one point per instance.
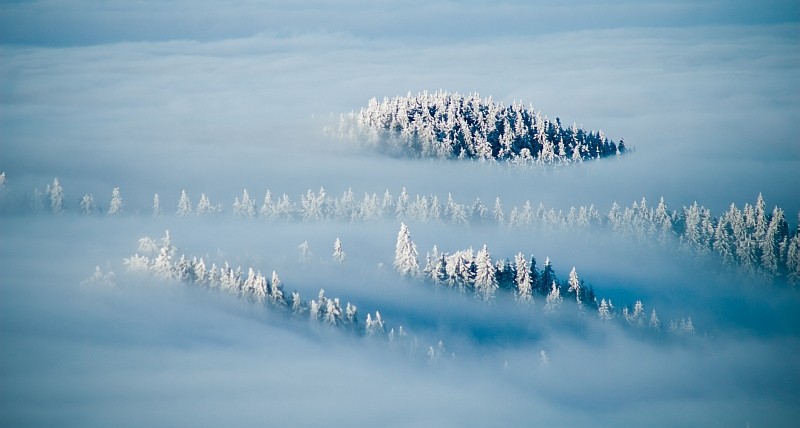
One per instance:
(160, 259)
(468, 272)
(751, 239)
(449, 126)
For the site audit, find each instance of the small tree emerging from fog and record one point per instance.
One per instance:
(116, 204)
(338, 253)
(87, 205)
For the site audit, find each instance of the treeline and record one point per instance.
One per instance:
(476, 273)
(159, 258)
(448, 125)
(751, 239)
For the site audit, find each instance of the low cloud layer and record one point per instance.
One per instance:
(225, 99)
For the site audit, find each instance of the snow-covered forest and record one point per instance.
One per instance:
(444, 125)
(752, 240)
(231, 215)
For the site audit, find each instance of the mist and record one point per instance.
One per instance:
(160, 97)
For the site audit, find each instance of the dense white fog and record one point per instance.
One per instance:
(160, 97)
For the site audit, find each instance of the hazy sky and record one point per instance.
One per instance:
(214, 97)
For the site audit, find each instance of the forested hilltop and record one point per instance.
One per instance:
(448, 125)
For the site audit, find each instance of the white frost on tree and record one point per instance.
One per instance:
(116, 204)
(305, 251)
(405, 254)
(604, 310)
(184, 205)
(553, 300)
(204, 206)
(655, 324)
(56, 197)
(374, 326)
(575, 285)
(156, 206)
(485, 276)
(244, 208)
(523, 280)
(338, 253)
(87, 205)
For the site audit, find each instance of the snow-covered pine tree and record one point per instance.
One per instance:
(523, 280)
(338, 253)
(553, 300)
(485, 276)
(604, 310)
(497, 212)
(56, 197)
(184, 205)
(156, 206)
(116, 204)
(244, 207)
(276, 294)
(305, 251)
(267, 209)
(655, 324)
(405, 254)
(87, 205)
(575, 285)
(204, 206)
(333, 312)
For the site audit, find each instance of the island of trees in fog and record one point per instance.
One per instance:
(447, 125)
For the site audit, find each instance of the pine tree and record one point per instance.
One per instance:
(244, 208)
(547, 275)
(333, 312)
(156, 206)
(405, 255)
(655, 324)
(267, 209)
(204, 206)
(523, 280)
(553, 300)
(56, 197)
(116, 205)
(485, 276)
(497, 213)
(298, 306)
(793, 259)
(338, 253)
(305, 251)
(276, 294)
(184, 205)
(88, 206)
(604, 310)
(575, 285)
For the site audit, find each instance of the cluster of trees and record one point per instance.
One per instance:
(477, 274)
(160, 259)
(447, 125)
(753, 239)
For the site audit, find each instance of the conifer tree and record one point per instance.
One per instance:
(405, 255)
(87, 205)
(184, 205)
(338, 253)
(553, 300)
(56, 197)
(522, 280)
(116, 204)
(156, 206)
(485, 276)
